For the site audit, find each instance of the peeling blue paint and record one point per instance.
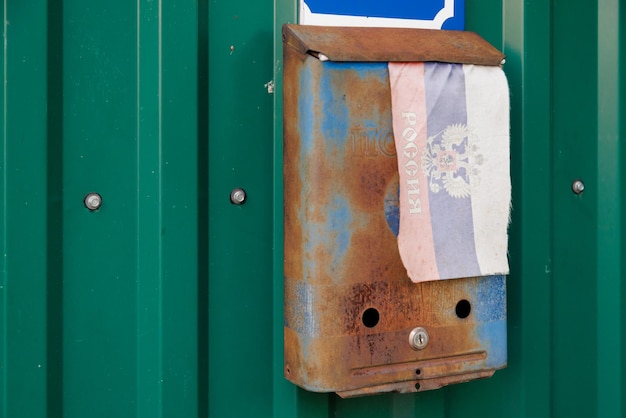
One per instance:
(334, 120)
(333, 97)
(334, 234)
(303, 320)
(492, 336)
(392, 209)
(489, 306)
(340, 223)
(306, 113)
(490, 301)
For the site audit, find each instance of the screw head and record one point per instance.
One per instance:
(93, 201)
(238, 196)
(578, 186)
(418, 338)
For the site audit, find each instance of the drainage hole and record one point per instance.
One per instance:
(370, 317)
(463, 309)
(417, 386)
(418, 372)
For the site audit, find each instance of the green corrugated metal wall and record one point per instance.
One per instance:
(168, 300)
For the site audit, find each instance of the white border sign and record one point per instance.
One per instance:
(427, 14)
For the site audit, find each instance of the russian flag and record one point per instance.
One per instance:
(451, 131)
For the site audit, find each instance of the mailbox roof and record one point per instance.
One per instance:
(392, 44)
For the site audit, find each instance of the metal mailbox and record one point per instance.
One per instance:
(354, 323)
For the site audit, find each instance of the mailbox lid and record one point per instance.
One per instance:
(391, 44)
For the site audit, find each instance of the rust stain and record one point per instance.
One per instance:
(292, 183)
(392, 44)
(425, 369)
(349, 305)
(415, 386)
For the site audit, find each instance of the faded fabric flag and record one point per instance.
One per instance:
(451, 130)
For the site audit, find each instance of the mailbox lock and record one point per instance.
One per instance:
(418, 338)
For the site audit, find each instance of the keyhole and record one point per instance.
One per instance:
(418, 338)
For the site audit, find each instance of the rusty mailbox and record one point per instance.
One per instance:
(354, 322)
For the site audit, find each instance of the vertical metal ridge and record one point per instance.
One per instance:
(202, 204)
(284, 394)
(139, 374)
(526, 41)
(54, 213)
(609, 213)
(3, 250)
(160, 209)
(149, 211)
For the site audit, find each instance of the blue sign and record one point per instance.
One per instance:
(430, 14)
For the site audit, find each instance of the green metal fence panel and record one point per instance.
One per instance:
(609, 230)
(240, 132)
(100, 155)
(586, 145)
(575, 217)
(527, 31)
(167, 300)
(100, 309)
(25, 226)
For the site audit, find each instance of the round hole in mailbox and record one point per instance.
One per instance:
(463, 309)
(370, 317)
